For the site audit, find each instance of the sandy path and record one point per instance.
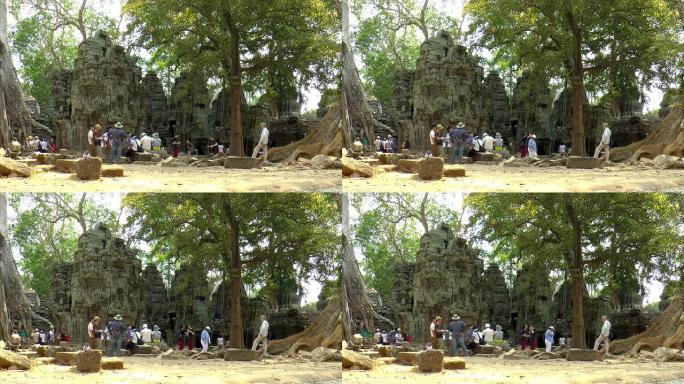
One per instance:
(152, 370)
(153, 178)
(496, 178)
(493, 370)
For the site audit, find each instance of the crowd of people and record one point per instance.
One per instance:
(460, 339)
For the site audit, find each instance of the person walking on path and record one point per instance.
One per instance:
(604, 337)
(117, 138)
(117, 331)
(605, 143)
(205, 339)
(457, 330)
(548, 338)
(262, 144)
(262, 336)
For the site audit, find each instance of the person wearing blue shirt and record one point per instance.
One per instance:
(548, 337)
(205, 339)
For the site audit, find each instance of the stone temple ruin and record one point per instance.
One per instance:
(107, 86)
(449, 277)
(449, 86)
(106, 278)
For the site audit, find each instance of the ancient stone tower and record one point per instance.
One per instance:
(154, 298)
(105, 281)
(496, 303)
(446, 281)
(447, 88)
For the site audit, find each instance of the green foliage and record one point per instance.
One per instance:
(626, 238)
(388, 231)
(46, 231)
(284, 238)
(621, 41)
(281, 43)
(388, 38)
(46, 38)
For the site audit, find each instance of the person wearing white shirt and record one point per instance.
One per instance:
(262, 144)
(488, 334)
(488, 143)
(93, 333)
(605, 142)
(604, 337)
(205, 339)
(263, 331)
(146, 142)
(146, 334)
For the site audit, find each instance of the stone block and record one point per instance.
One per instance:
(325, 162)
(88, 168)
(430, 361)
(355, 167)
(387, 158)
(325, 354)
(431, 168)
(10, 359)
(13, 167)
(89, 361)
(233, 354)
(484, 349)
(576, 162)
(43, 158)
(235, 162)
(65, 358)
(43, 351)
(407, 165)
(65, 165)
(112, 171)
(142, 350)
(141, 156)
(354, 359)
(454, 170)
(483, 156)
(575, 354)
(29, 162)
(453, 363)
(112, 363)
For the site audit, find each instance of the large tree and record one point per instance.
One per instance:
(238, 42)
(583, 237)
(255, 238)
(577, 41)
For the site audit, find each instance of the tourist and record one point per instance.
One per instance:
(35, 336)
(146, 142)
(498, 335)
(134, 144)
(385, 338)
(488, 334)
(205, 339)
(532, 146)
(262, 144)
(44, 148)
(213, 146)
(182, 338)
(52, 146)
(488, 142)
(156, 142)
(436, 139)
(220, 341)
(23, 334)
(93, 332)
(605, 143)
(525, 337)
(523, 145)
(436, 332)
(175, 146)
(146, 334)
(548, 337)
(457, 332)
(135, 336)
(190, 338)
(458, 141)
(604, 336)
(406, 145)
(117, 137)
(94, 140)
(533, 337)
(35, 144)
(392, 337)
(364, 142)
(105, 143)
(498, 143)
(156, 335)
(189, 147)
(377, 143)
(377, 336)
(262, 336)
(117, 330)
(51, 335)
(562, 149)
(399, 337)
(446, 144)
(221, 148)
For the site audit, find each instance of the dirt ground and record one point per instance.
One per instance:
(496, 178)
(152, 370)
(494, 370)
(153, 178)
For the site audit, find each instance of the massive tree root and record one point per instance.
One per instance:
(667, 139)
(325, 331)
(666, 331)
(326, 138)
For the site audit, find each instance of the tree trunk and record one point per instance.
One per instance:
(236, 140)
(577, 83)
(235, 275)
(578, 338)
(326, 330)
(14, 304)
(361, 117)
(665, 331)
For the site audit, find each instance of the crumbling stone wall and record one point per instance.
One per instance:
(154, 113)
(154, 298)
(446, 281)
(496, 303)
(496, 108)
